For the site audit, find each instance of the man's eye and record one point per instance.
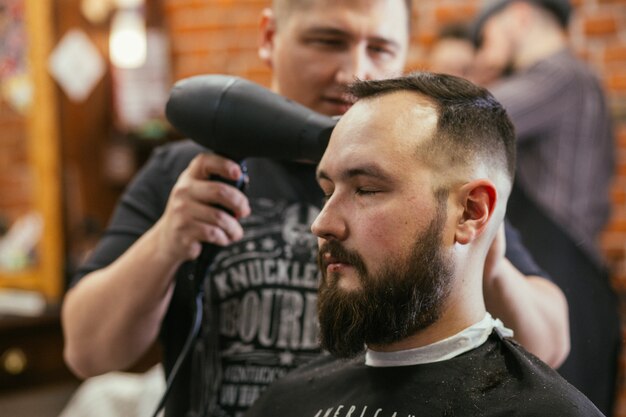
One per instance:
(365, 191)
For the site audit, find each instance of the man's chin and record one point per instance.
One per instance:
(346, 281)
(349, 284)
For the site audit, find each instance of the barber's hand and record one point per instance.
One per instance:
(191, 216)
(495, 256)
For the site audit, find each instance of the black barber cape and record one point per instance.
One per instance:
(499, 378)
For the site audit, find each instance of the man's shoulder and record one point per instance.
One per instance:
(323, 367)
(565, 69)
(540, 388)
(498, 378)
(556, 74)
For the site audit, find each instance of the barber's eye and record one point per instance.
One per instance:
(382, 50)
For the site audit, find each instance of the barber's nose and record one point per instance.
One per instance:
(356, 65)
(329, 224)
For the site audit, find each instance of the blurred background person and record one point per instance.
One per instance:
(453, 51)
(560, 202)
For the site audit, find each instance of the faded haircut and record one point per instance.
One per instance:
(472, 126)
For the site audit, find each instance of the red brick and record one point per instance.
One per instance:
(619, 284)
(618, 195)
(617, 82)
(620, 136)
(584, 54)
(600, 25)
(617, 224)
(614, 53)
(454, 12)
(613, 248)
(425, 38)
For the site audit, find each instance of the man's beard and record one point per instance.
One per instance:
(407, 295)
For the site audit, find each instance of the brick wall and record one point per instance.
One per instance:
(219, 36)
(215, 36)
(16, 179)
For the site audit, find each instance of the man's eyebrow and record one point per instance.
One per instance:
(332, 31)
(369, 170)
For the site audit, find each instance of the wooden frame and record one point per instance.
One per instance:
(47, 275)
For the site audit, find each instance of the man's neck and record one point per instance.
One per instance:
(451, 322)
(467, 339)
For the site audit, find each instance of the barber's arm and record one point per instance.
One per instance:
(112, 316)
(531, 305)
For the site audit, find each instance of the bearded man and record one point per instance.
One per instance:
(416, 177)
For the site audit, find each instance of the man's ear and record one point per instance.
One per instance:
(267, 30)
(478, 199)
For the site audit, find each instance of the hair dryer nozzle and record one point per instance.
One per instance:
(239, 119)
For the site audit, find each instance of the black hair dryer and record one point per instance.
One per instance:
(238, 118)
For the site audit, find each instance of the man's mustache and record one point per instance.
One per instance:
(332, 251)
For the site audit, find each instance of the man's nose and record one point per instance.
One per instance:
(329, 224)
(357, 64)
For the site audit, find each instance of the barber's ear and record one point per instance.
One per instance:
(267, 30)
(478, 200)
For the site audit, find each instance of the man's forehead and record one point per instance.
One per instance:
(395, 110)
(391, 125)
(368, 168)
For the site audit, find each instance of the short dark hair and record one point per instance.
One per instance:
(471, 123)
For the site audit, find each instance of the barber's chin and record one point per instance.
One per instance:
(334, 107)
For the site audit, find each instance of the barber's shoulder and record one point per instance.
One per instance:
(175, 156)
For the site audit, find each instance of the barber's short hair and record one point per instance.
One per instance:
(471, 125)
(283, 8)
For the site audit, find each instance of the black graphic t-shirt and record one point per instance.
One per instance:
(498, 378)
(262, 321)
(263, 289)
